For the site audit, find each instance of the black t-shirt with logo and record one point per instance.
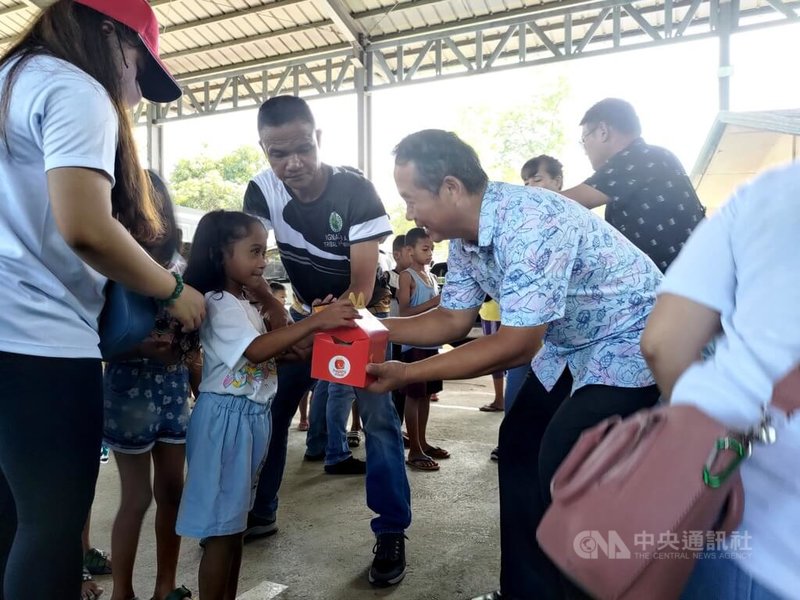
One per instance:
(652, 201)
(314, 238)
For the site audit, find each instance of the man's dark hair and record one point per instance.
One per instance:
(277, 286)
(552, 165)
(414, 235)
(437, 154)
(281, 110)
(615, 113)
(398, 243)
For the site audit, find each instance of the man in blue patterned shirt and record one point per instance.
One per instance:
(569, 286)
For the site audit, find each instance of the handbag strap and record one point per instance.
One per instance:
(786, 393)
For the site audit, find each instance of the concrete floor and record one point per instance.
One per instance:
(324, 546)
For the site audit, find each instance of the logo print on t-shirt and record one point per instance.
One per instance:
(335, 222)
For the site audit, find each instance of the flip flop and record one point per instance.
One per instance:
(97, 562)
(437, 452)
(423, 463)
(179, 594)
(490, 408)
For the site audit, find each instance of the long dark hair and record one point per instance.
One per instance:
(164, 248)
(216, 231)
(73, 33)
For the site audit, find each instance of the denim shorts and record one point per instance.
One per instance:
(724, 579)
(226, 449)
(145, 402)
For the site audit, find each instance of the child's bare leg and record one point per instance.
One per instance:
(233, 577)
(355, 423)
(498, 392)
(423, 410)
(216, 566)
(304, 412)
(85, 534)
(417, 458)
(412, 420)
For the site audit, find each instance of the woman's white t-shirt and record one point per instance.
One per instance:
(230, 327)
(58, 116)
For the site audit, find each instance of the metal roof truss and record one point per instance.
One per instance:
(517, 38)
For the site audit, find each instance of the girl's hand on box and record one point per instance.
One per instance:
(338, 314)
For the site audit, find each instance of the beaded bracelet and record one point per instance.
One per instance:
(175, 293)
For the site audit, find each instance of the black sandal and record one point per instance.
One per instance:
(97, 562)
(179, 594)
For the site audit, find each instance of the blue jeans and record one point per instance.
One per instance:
(514, 379)
(327, 420)
(388, 493)
(723, 579)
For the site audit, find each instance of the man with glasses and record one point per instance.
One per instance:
(646, 192)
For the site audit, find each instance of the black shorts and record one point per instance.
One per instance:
(424, 388)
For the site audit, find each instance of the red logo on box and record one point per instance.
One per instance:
(339, 367)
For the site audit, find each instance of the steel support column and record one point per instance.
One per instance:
(725, 24)
(155, 141)
(364, 111)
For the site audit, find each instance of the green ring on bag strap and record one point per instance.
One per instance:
(742, 451)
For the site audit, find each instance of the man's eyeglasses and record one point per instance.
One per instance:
(587, 134)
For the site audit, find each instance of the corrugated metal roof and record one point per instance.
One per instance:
(198, 35)
(206, 41)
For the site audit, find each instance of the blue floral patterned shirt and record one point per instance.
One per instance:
(548, 260)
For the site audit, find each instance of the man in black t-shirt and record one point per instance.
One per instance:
(646, 192)
(328, 223)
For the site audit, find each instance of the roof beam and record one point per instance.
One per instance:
(377, 12)
(10, 10)
(350, 29)
(384, 10)
(247, 40)
(235, 14)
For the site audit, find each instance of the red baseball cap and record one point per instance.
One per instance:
(156, 82)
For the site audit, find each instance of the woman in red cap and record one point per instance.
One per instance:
(68, 166)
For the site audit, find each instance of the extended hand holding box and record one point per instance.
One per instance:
(342, 355)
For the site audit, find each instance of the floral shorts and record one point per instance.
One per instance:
(144, 402)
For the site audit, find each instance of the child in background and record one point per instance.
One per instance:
(402, 260)
(279, 291)
(146, 396)
(229, 429)
(419, 292)
(490, 323)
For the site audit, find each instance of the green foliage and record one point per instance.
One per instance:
(397, 217)
(207, 183)
(506, 136)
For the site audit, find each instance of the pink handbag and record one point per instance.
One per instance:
(636, 500)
